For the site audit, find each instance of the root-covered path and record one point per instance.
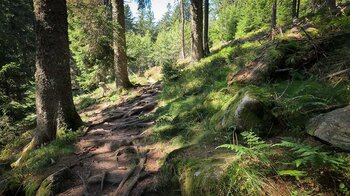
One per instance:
(113, 157)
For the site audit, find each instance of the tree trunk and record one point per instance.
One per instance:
(274, 16)
(52, 76)
(183, 53)
(51, 29)
(206, 28)
(298, 9)
(119, 46)
(294, 9)
(67, 114)
(197, 29)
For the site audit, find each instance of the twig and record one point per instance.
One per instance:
(337, 73)
(279, 97)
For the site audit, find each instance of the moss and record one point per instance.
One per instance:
(194, 105)
(45, 189)
(195, 173)
(225, 118)
(31, 186)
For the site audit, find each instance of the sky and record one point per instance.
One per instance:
(158, 7)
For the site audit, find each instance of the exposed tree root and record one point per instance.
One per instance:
(26, 151)
(130, 180)
(138, 110)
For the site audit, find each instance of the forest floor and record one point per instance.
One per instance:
(113, 157)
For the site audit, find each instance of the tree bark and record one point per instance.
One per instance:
(54, 99)
(67, 114)
(183, 53)
(294, 9)
(50, 19)
(197, 29)
(206, 28)
(274, 16)
(119, 46)
(298, 9)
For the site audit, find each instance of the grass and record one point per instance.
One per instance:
(195, 96)
(28, 175)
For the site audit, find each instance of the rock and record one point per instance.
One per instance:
(246, 112)
(55, 183)
(251, 114)
(332, 127)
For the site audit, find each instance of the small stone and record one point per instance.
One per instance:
(197, 173)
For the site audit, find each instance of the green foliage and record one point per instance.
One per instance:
(91, 36)
(295, 173)
(167, 46)
(297, 99)
(17, 50)
(256, 148)
(47, 155)
(140, 50)
(254, 15)
(307, 155)
(246, 174)
(145, 22)
(170, 72)
(224, 28)
(27, 174)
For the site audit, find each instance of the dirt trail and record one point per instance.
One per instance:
(113, 158)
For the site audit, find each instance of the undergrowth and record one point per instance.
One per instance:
(194, 95)
(28, 175)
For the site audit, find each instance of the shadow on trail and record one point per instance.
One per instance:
(112, 158)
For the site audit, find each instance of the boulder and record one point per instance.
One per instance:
(332, 127)
(252, 114)
(55, 183)
(246, 112)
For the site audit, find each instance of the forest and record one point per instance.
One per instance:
(198, 97)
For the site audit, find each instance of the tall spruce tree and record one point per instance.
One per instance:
(182, 8)
(119, 46)
(53, 83)
(196, 9)
(206, 28)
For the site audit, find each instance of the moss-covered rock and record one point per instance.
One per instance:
(248, 110)
(55, 183)
(195, 170)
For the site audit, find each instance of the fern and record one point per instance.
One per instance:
(295, 173)
(256, 148)
(310, 155)
(245, 175)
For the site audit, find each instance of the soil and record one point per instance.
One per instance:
(115, 156)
